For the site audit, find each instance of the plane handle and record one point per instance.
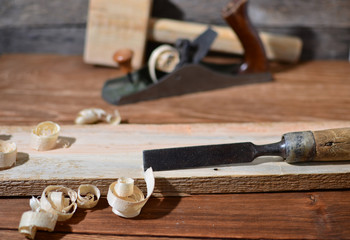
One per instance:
(236, 16)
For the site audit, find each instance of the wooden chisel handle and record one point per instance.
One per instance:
(325, 145)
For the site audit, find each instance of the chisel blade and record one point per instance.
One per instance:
(294, 147)
(198, 156)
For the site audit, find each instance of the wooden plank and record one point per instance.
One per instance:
(113, 25)
(41, 235)
(305, 215)
(72, 86)
(100, 154)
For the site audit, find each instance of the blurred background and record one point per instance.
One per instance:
(58, 26)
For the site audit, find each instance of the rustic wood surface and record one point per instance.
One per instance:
(331, 143)
(313, 215)
(58, 87)
(34, 88)
(83, 162)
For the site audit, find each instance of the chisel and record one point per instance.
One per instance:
(294, 147)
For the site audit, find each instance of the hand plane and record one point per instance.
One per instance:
(191, 74)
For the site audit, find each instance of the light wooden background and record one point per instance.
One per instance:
(58, 26)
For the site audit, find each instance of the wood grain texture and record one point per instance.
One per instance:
(37, 88)
(306, 92)
(58, 87)
(116, 151)
(14, 235)
(333, 144)
(308, 215)
(114, 25)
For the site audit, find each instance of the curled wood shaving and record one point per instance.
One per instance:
(126, 205)
(57, 203)
(8, 154)
(124, 187)
(33, 221)
(163, 58)
(94, 115)
(59, 200)
(44, 136)
(88, 196)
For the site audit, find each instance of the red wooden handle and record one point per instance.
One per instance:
(235, 14)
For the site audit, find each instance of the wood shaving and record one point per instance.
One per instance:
(94, 115)
(88, 196)
(163, 58)
(59, 200)
(44, 136)
(126, 199)
(8, 154)
(33, 221)
(124, 187)
(57, 203)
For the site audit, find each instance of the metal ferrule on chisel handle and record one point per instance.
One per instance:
(299, 147)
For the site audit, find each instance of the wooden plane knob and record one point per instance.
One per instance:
(123, 57)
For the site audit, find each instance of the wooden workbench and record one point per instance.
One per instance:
(34, 88)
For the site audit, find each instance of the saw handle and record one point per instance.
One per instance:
(325, 145)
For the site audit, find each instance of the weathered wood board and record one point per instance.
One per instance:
(99, 154)
(113, 25)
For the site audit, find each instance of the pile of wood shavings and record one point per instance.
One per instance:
(57, 203)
